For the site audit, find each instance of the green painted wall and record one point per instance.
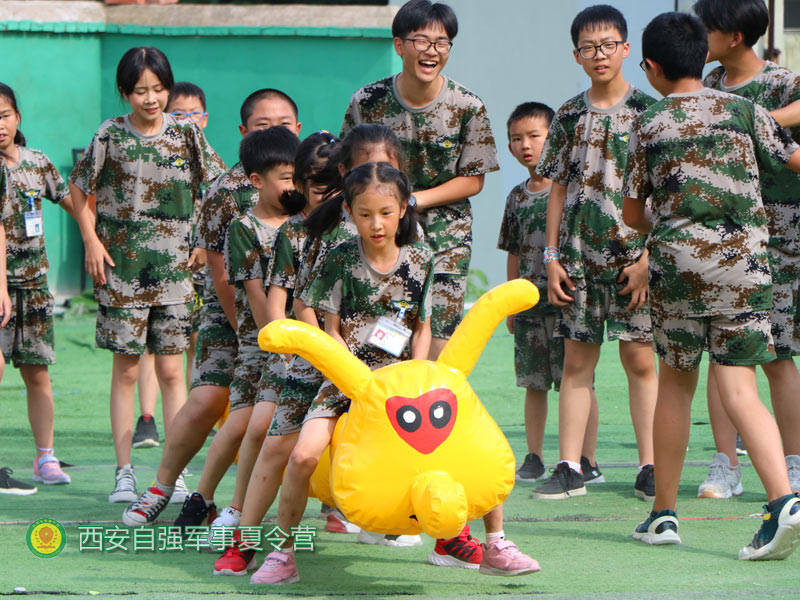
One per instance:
(63, 75)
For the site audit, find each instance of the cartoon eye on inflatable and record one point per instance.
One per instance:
(409, 418)
(440, 414)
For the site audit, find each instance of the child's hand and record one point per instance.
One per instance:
(637, 283)
(96, 259)
(197, 259)
(556, 278)
(510, 323)
(5, 308)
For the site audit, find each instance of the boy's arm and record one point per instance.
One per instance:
(332, 328)
(216, 266)
(276, 303)
(634, 215)
(305, 313)
(787, 116)
(638, 281)
(454, 190)
(257, 299)
(556, 275)
(5, 299)
(96, 254)
(512, 272)
(421, 340)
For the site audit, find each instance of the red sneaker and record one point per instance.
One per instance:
(336, 523)
(461, 551)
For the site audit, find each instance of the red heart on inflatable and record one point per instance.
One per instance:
(423, 422)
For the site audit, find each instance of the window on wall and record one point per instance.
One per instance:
(791, 14)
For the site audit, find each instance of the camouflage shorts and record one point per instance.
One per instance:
(131, 331)
(273, 378)
(538, 356)
(28, 337)
(742, 339)
(215, 353)
(302, 384)
(784, 308)
(447, 296)
(595, 304)
(197, 304)
(247, 369)
(328, 403)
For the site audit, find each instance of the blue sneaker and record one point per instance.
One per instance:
(659, 528)
(779, 533)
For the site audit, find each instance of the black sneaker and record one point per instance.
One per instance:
(145, 435)
(195, 511)
(9, 485)
(563, 483)
(532, 468)
(645, 486)
(740, 449)
(779, 533)
(591, 474)
(659, 528)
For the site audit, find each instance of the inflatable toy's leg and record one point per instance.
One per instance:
(440, 504)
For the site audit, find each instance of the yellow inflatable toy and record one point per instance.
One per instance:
(417, 450)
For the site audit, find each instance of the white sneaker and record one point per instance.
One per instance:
(723, 480)
(145, 509)
(228, 517)
(124, 486)
(369, 537)
(181, 492)
(793, 467)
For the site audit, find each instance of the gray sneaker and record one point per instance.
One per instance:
(532, 469)
(723, 480)
(793, 467)
(124, 486)
(181, 492)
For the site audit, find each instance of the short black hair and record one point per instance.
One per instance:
(247, 106)
(597, 16)
(418, 14)
(188, 90)
(678, 42)
(135, 61)
(263, 149)
(530, 109)
(749, 17)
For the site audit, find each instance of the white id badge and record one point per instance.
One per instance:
(390, 335)
(33, 223)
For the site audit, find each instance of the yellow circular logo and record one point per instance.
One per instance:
(46, 538)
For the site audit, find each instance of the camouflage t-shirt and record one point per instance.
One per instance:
(586, 151)
(698, 155)
(316, 249)
(448, 138)
(230, 196)
(347, 285)
(248, 249)
(146, 187)
(522, 233)
(774, 87)
(30, 180)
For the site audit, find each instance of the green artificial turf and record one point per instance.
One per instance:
(582, 544)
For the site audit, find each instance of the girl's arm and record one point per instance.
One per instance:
(5, 299)
(276, 303)
(216, 266)
(96, 254)
(332, 323)
(257, 298)
(306, 314)
(421, 340)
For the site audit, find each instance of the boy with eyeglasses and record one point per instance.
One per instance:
(448, 147)
(596, 265)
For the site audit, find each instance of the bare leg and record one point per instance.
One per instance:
(575, 397)
(437, 345)
(589, 449)
(190, 358)
(784, 383)
(124, 373)
(147, 384)
(250, 448)
(493, 520)
(222, 451)
(721, 427)
(265, 479)
(41, 412)
(535, 419)
(640, 367)
(739, 394)
(189, 430)
(673, 414)
(169, 370)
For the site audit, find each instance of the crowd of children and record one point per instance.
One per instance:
(671, 225)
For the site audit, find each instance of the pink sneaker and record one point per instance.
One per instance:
(47, 470)
(502, 557)
(278, 567)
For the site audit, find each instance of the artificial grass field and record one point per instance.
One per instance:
(583, 544)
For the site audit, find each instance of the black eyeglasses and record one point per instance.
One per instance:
(422, 44)
(643, 65)
(607, 48)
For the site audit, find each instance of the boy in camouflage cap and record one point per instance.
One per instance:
(697, 155)
(538, 356)
(596, 266)
(734, 26)
(448, 143)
